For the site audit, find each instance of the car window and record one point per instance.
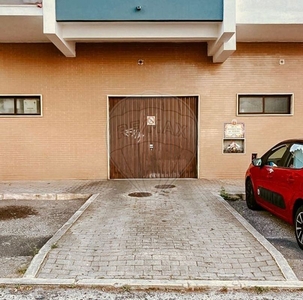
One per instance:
(278, 156)
(296, 151)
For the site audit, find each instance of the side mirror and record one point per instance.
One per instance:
(257, 162)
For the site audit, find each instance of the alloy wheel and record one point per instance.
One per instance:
(299, 227)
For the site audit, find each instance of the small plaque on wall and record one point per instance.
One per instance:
(234, 141)
(234, 130)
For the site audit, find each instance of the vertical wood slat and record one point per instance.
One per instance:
(166, 150)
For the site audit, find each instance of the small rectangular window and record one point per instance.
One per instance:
(20, 105)
(264, 104)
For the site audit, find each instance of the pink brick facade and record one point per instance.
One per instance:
(70, 139)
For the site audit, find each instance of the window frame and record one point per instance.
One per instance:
(263, 96)
(286, 159)
(15, 98)
(282, 160)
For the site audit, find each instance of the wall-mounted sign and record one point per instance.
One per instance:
(151, 120)
(234, 141)
(234, 130)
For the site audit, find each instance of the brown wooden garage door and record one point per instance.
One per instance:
(153, 137)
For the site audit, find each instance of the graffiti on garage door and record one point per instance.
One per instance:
(153, 137)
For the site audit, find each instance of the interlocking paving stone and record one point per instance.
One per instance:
(183, 233)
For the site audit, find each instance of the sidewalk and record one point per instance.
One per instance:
(177, 236)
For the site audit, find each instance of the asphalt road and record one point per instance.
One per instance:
(25, 227)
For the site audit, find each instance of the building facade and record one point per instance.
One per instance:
(146, 89)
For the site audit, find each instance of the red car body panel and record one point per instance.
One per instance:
(277, 188)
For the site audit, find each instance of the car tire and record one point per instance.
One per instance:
(250, 196)
(299, 226)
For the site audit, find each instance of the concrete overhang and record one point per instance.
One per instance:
(259, 33)
(242, 22)
(24, 22)
(31, 24)
(220, 36)
(269, 21)
(21, 24)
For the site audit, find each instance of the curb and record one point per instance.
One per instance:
(282, 263)
(47, 196)
(142, 284)
(38, 259)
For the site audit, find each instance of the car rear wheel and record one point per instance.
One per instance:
(299, 226)
(250, 196)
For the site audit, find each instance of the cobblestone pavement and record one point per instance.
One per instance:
(176, 233)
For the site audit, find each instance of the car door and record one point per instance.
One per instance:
(291, 180)
(272, 189)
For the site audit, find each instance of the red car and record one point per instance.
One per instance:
(275, 182)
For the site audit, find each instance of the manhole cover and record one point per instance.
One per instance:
(16, 212)
(140, 194)
(165, 186)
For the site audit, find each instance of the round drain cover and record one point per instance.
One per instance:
(165, 186)
(140, 194)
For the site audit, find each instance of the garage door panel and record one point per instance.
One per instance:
(153, 137)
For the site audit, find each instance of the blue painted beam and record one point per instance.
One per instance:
(139, 10)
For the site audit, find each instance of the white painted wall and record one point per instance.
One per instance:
(269, 11)
(18, 2)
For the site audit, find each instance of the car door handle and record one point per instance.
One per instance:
(270, 173)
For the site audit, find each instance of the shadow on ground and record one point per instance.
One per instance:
(25, 226)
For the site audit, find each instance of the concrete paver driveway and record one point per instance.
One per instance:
(175, 233)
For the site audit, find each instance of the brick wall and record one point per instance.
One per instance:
(70, 139)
